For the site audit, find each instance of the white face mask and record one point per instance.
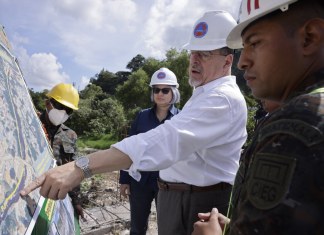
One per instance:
(57, 117)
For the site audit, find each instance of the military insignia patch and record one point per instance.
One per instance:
(270, 179)
(304, 132)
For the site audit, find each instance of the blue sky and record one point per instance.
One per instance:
(72, 40)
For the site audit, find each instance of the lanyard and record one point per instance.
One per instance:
(318, 90)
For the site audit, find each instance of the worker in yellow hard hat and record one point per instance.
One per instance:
(62, 100)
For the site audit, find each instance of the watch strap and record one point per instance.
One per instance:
(84, 167)
(87, 172)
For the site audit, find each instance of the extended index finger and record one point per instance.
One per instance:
(33, 185)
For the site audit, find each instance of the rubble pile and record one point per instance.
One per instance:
(106, 212)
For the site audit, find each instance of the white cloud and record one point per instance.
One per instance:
(93, 15)
(170, 22)
(92, 31)
(41, 70)
(82, 36)
(18, 39)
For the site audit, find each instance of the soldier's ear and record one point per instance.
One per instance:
(313, 36)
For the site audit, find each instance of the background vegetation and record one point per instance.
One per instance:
(110, 101)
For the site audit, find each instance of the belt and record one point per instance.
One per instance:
(168, 186)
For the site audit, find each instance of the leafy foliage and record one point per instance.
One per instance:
(178, 62)
(38, 99)
(239, 73)
(98, 114)
(136, 63)
(135, 92)
(251, 104)
(109, 81)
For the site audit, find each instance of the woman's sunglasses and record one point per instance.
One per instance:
(165, 91)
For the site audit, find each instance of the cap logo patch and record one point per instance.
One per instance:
(161, 75)
(201, 30)
(256, 5)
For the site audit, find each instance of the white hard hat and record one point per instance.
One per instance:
(251, 11)
(164, 76)
(210, 31)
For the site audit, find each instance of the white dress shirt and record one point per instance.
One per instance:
(199, 146)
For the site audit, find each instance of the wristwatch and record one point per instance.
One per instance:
(83, 163)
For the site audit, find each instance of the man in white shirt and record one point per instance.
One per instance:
(197, 151)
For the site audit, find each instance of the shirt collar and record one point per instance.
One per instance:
(311, 83)
(172, 109)
(212, 84)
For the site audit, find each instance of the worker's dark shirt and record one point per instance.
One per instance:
(146, 120)
(279, 187)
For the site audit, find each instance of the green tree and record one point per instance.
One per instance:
(251, 103)
(136, 63)
(98, 114)
(239, 74)
(135, 92)
(151, 65)
(178, 62)
(109, 81)
(38, 99)
(92, 91)
(107, 117)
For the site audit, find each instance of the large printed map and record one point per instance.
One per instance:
(24, 152)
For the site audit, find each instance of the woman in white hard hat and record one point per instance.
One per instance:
(141, 193)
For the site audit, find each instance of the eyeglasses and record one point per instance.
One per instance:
(60, 106)
(157, 90)
(204, 55)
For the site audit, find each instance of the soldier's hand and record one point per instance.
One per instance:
(56, 182)
(209, 223)
(124, 190)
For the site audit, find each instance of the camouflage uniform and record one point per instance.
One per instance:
(63, 142)
(279, 188)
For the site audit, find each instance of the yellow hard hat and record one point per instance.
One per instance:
(65, 94)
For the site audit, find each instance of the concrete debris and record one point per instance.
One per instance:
(106, 212)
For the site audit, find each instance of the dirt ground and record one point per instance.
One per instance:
(106, 211)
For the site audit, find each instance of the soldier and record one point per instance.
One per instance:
(279, 187)
(62, 100)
